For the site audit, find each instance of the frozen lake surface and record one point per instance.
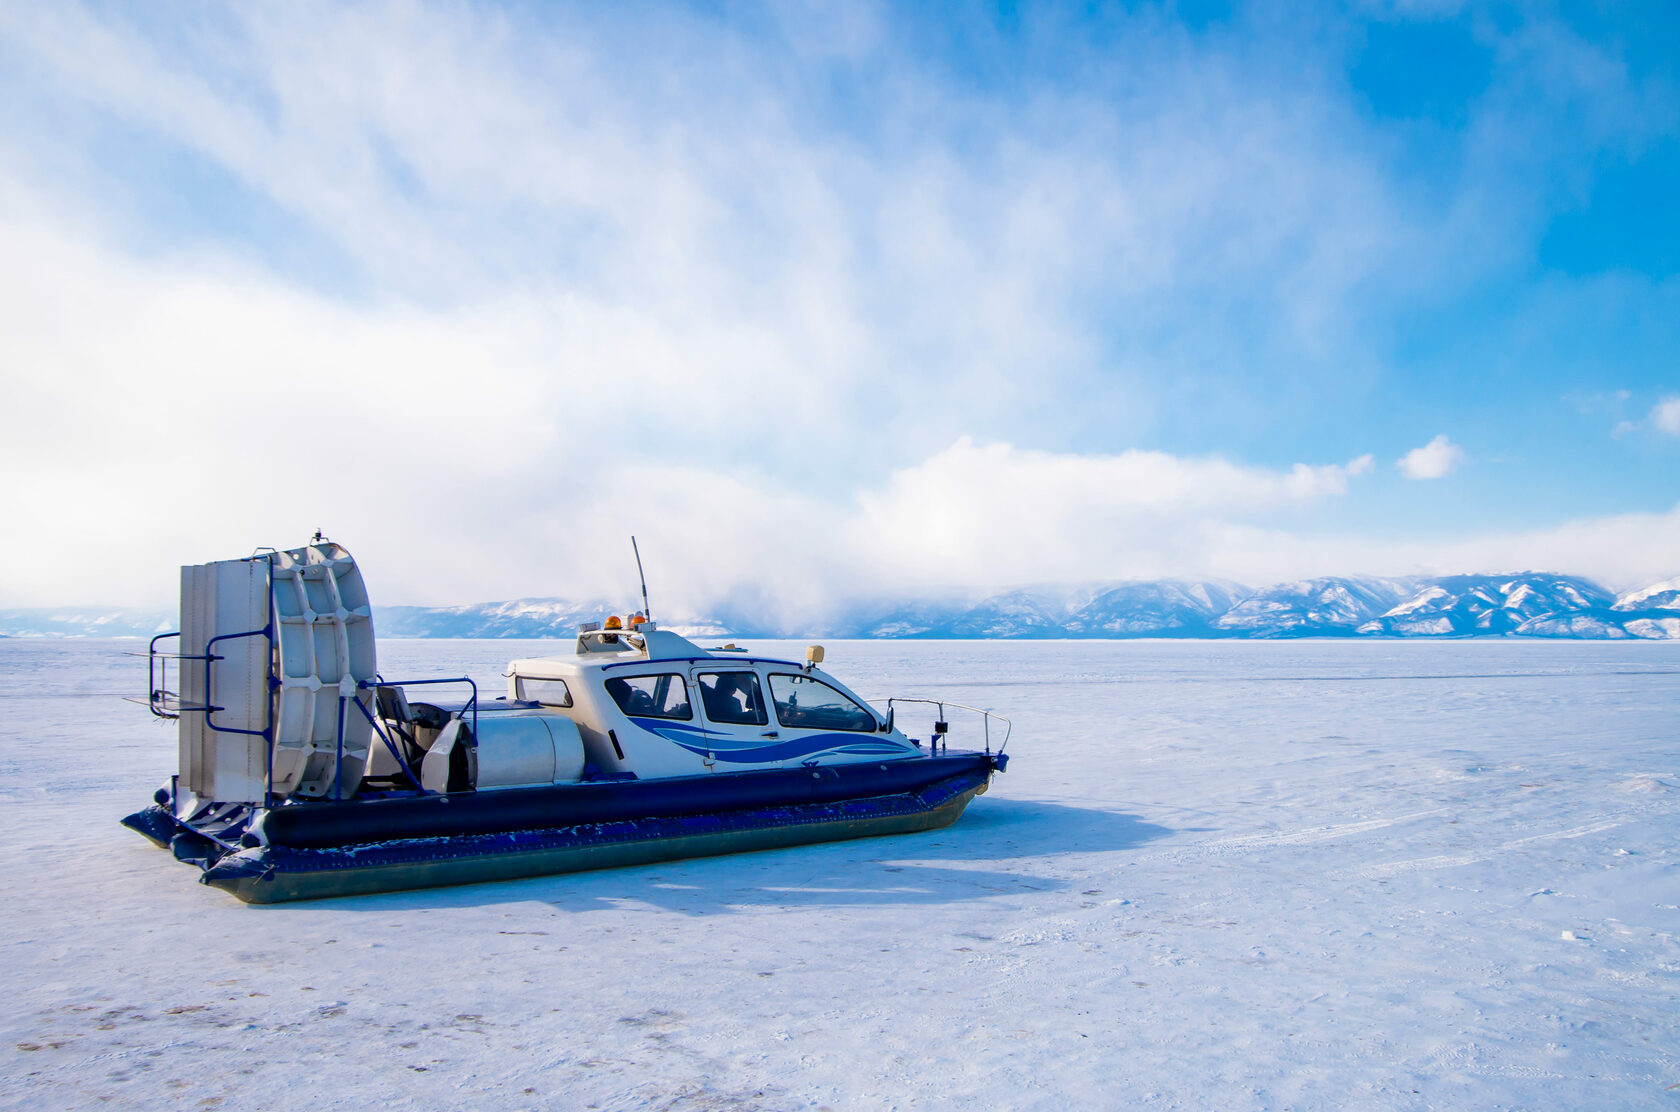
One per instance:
(1235, 875)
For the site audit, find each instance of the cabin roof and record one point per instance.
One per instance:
(658, 645)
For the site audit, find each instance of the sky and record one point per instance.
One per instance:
(825, 300)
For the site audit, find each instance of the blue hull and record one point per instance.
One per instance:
(317, 850)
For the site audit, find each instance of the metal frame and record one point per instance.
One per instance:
(158, 698)
(986, 717)
(472, 703)
(158, 701)
(158, 694)
(378, 682)
(390, 745)
(210, 706)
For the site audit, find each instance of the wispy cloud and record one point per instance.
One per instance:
(986, 253)
(1664, 418)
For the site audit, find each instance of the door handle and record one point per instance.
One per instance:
(770, 733)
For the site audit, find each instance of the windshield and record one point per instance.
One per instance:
(810, 703)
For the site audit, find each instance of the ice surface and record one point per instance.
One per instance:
(1235, 875)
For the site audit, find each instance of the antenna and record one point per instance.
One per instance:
(647, 611)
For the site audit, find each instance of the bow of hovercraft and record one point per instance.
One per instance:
(304, 773)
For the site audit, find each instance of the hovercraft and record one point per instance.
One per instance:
(304, 773)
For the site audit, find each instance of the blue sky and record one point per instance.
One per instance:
(838, 298)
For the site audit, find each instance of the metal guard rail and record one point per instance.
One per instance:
(379, 681)
(986, 717)
(472, 704)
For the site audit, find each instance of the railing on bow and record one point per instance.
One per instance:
(941, 728)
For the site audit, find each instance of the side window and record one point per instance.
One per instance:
(733, 698)
(650, 696)
(550, 693)
(812, 704)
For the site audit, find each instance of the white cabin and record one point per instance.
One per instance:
(650, 702)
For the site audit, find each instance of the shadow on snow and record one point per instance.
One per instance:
(899, 869)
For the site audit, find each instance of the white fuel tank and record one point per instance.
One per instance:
(513, 751)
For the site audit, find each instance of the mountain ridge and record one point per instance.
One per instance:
(1519, 604)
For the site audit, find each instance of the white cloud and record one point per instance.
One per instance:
(982, 261)
(1622, 551)
(567, 244)
(1664, 418)
(166, 414)
(193, 410)
(603, 280)
(1434, 460)
(1665, 415)
(995, 513)
(190, 411)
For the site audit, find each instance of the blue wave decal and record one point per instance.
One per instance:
(732, 750)
(695, 739)
(793, 749)
(687, 738)
(660, 725)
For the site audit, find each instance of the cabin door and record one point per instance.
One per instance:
(736, 720)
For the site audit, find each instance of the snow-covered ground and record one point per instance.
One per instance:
(1229, 875)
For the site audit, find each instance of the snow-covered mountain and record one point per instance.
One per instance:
(1662, 627)
(1333, 606)
(1652, 612)
(1512, 605)
(1469, 605)
(86, 621)
(1527, 604)
(1658, 596)
(1166, 608)
(1019, 613)
(526, 617)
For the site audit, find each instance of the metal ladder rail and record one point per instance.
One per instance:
(164, 703)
